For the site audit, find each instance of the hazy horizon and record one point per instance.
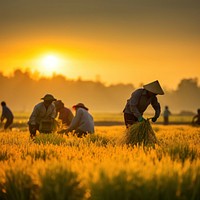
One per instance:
(22, 93)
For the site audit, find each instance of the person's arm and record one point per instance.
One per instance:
(3, 114)
(2, 118)
(156, 107)
(195, 117)
(76, 120)
(32, 119)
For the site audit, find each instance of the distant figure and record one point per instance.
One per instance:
(65, 114)
(43, 116)
(166, 114)
(6, 114)
(82, 123)
(196, 118)
(140, 100)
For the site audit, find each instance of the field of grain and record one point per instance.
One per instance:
(99, 167)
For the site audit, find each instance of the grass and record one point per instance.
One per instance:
(98, 167)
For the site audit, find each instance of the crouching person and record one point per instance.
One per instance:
(43, 116)
(83, 123)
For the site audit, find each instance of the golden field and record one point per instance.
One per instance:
(99, 166)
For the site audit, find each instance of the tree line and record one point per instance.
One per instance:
(21, 91)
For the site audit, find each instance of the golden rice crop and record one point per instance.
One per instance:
(173, 166)
(140, 133)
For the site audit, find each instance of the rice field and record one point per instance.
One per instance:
(99, 166)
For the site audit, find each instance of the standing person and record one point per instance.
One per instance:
(65, 114)
(82, 123)
(6, 114)
(196, 118)
(139, 101)
(166, 114)
(43, 116)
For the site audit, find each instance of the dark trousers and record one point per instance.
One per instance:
(129, 119)
(166, 120)
(8, 123)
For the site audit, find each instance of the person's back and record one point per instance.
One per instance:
(83, 121)
(139, 101)
(66, 116)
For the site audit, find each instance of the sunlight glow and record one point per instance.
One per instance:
(50, 64)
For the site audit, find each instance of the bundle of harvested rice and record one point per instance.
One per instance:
(140, 133)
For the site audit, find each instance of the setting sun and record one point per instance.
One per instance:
(50, 64)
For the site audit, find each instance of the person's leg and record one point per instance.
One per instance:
(8, 123)
(129, 119)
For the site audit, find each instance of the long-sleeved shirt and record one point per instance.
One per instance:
(139, 102)
(6, 113)
(83, 121)
(41, 113)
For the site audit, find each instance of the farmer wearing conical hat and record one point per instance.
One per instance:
(82, 123)
(43, 112)
(140, 100)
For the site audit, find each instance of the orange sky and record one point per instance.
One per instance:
(118, 41)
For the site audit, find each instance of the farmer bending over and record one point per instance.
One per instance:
(43, 112)
(6, 114)
(196, 118)
(65, 114)
(82, 123)
(140, 100)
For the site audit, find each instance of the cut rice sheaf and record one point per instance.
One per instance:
(140, 133)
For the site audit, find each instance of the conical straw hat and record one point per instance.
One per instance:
(154, 87)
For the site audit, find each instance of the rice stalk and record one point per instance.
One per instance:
(140, 133)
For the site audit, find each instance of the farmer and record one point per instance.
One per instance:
(65, 114)
(43, 112)
(82, 123)
(6, 114)
(166, 114)
(196, 118)
(140, 100)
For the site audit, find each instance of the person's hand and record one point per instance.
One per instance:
(62, 131)
(154, 119)
(141, 119)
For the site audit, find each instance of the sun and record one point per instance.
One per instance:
(50, 64)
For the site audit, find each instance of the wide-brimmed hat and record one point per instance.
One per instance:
(154, 87)
(48, 97)
(80, 105)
